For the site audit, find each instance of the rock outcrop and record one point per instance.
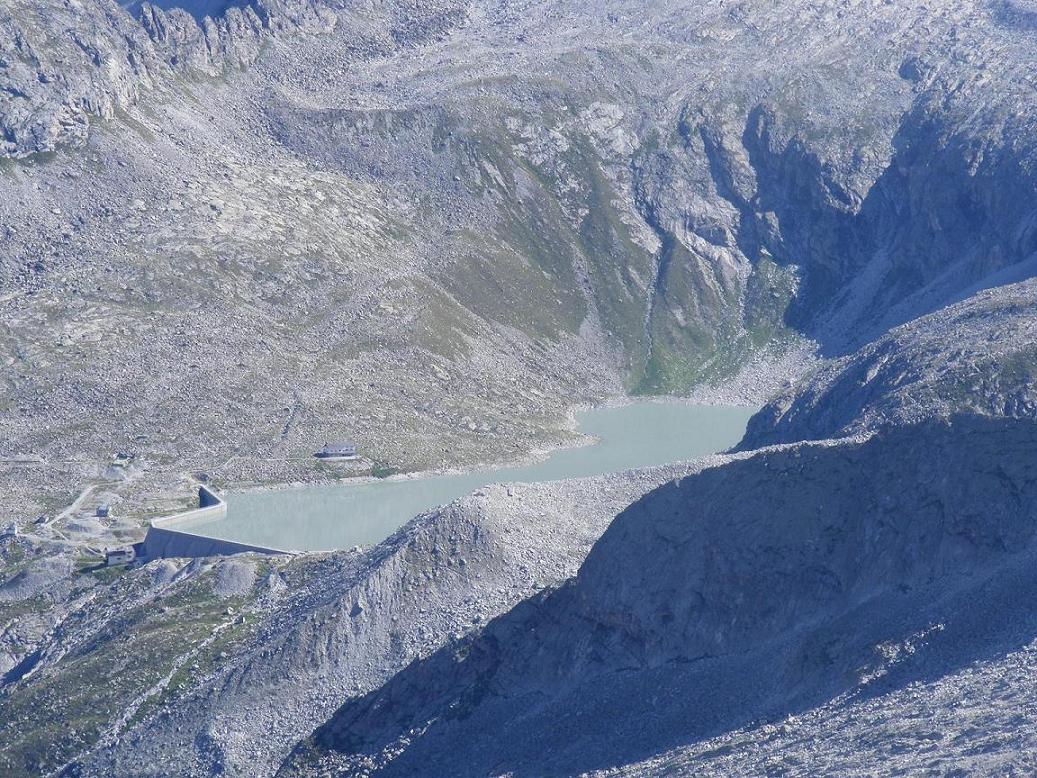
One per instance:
(978, 356)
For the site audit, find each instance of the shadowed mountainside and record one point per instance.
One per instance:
(438, 226)
(754, 589)
(978, 356)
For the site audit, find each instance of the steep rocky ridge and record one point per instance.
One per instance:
(750, 590)
(978, 356)
(336, 626)
(61, 67)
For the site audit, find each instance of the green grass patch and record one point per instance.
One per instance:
(382, 470)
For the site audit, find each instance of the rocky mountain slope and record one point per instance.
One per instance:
(789, 608)
(978, 357)
(805, 581)
(64, 67)
(398, 218)
(435, 227)
(295, 637)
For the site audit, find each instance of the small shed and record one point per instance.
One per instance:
(339, 450)
(118, 556)
(103, 511)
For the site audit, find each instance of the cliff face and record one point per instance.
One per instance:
(100, 61)
(62, 68)
(919, 209)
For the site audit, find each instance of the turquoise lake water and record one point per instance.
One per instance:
(335, 516)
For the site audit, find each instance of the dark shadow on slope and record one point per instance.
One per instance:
(950, 213)
(744, 593)
(18, 671)
(942, 363)
(986, 616)
(1016, 14)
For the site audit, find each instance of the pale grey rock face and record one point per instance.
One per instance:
(62, 67)
(49, 92)
(199, 9)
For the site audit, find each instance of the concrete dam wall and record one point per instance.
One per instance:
(167, 538)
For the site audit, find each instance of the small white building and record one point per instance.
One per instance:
(118, 556)
(340, 450)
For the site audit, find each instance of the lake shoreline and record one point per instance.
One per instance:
(534, 456)
(622, 435)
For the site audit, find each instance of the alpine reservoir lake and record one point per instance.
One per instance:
(342, 515)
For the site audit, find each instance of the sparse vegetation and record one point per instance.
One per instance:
(382, 470)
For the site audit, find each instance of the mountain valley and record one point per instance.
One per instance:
(440, 228)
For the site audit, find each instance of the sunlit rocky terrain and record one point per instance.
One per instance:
(232, 232)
